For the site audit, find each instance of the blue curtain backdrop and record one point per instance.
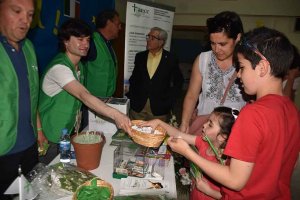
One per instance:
(89, 9)
(49, 15)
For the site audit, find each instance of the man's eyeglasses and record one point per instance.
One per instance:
(254, 49)
(151, 37)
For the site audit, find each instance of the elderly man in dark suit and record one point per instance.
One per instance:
(156, 80)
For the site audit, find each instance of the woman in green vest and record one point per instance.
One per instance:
(62, 91)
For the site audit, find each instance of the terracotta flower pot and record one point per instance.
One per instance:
(88, 155)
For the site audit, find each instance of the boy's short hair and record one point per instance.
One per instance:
(104, 16)
(72, 27)
(270, 44)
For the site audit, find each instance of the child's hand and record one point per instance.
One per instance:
(178, 145)
(202, 185)
(152, 123)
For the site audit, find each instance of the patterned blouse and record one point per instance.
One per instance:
(214, 84)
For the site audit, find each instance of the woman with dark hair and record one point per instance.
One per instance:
(214, 73)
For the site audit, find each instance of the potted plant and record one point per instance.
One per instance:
(88, 148)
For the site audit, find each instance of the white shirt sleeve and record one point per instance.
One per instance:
(56, 78)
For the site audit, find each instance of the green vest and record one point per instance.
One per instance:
(9, 104)
(59, 111)
(101, 74)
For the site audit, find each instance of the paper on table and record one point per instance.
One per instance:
(133, 185)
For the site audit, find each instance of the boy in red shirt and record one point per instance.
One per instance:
(265, 140)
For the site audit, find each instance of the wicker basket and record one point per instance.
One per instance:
(145, 139)
(100, 183)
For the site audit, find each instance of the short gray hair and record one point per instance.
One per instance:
(163, 35)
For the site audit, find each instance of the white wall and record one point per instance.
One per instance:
(277, 14)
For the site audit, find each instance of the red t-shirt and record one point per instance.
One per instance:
(202, 146)
(266, 133)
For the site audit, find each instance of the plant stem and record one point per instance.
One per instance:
(214, 149)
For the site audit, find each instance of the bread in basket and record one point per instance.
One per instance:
(146, 136)
(95, 189)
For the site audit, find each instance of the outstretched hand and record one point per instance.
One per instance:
(123, 122)
(152, 123)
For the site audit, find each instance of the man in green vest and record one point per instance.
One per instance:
(102, 62)
(62, 92)
(19, 93)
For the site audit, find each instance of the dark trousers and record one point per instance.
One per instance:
(9, 165)
(146, 114)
